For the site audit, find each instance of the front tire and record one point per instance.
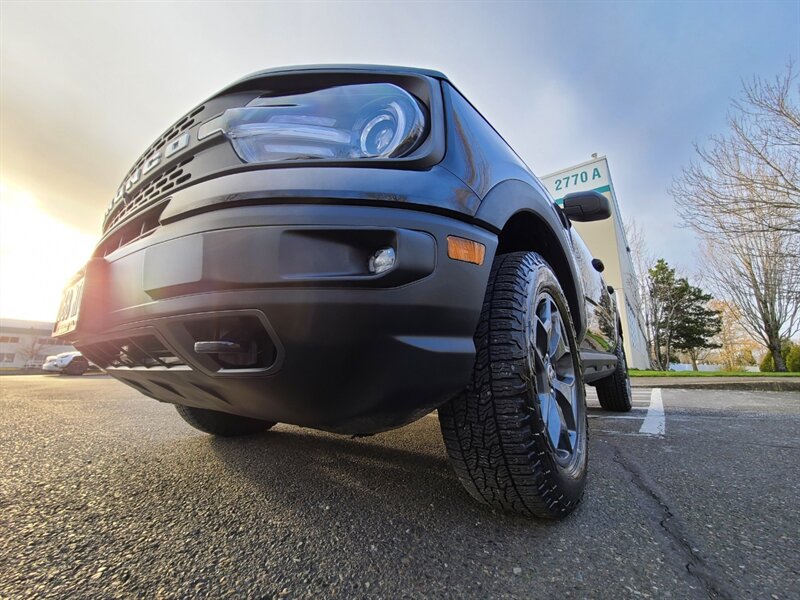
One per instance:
(614, 391)
(220, 423)
(517, 436)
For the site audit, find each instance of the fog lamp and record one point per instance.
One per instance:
(382, 260)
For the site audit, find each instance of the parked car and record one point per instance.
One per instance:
(349, 248)
(66, 363)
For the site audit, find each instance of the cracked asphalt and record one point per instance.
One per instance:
(109, 494)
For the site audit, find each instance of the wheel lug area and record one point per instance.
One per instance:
(550, 369)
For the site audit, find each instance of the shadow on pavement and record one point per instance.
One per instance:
(380, 475)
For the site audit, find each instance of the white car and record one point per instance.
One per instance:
(66, 363)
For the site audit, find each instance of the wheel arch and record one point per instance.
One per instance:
(526, 220)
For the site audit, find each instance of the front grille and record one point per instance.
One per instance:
(145, 351)
(178, 128)
(166, 181)
(169, 179)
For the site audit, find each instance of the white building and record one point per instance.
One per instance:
(27, 343)
(607, 241)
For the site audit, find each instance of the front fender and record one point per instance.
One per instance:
(514, 196)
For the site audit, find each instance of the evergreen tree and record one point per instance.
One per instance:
(664, 302)
(678, 316)
(696, 324)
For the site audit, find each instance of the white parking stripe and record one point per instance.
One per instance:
(633, 409)
(654, 422)
(614, 417)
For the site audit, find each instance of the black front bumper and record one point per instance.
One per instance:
(339, 349)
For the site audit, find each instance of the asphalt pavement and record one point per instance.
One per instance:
(105, 493)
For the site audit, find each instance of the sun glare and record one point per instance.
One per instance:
(38, 255)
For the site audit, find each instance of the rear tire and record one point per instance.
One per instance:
(517, 436)
(220, 423)
(614, 391)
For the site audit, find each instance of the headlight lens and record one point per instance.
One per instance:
(373, 120)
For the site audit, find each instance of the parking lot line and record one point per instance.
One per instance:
(654, 422)
(615, 417)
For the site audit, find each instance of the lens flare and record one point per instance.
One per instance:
(38, 255)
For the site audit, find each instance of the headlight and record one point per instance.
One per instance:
(372, 120)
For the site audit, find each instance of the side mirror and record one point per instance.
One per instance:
(586, 206)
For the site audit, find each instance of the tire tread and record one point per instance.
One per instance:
(613, 392)
(488, 430)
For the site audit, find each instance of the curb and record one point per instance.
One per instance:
(746, 386)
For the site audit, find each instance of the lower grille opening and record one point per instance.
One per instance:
(139, 227)
(138, 351)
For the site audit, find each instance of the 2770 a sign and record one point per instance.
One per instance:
(562, 183)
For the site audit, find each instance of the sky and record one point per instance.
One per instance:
(86, 87)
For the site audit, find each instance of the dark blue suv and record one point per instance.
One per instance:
(350, 248)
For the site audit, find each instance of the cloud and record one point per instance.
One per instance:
(637, 82)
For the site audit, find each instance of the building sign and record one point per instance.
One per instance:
(592, 175)
(606, 240)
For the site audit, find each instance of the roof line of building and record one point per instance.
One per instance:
(573, 167)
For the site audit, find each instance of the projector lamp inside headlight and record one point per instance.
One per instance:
(372, 120)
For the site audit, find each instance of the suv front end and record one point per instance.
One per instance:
(293, 250)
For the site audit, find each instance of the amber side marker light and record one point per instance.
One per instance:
(465, 250)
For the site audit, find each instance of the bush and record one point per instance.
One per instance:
(793, 359)
(767, 365)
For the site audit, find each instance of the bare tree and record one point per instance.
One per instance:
(758, 272)
(735, 344)
(756, 164)
(31, 348)
(742, 195)
(639, 280)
